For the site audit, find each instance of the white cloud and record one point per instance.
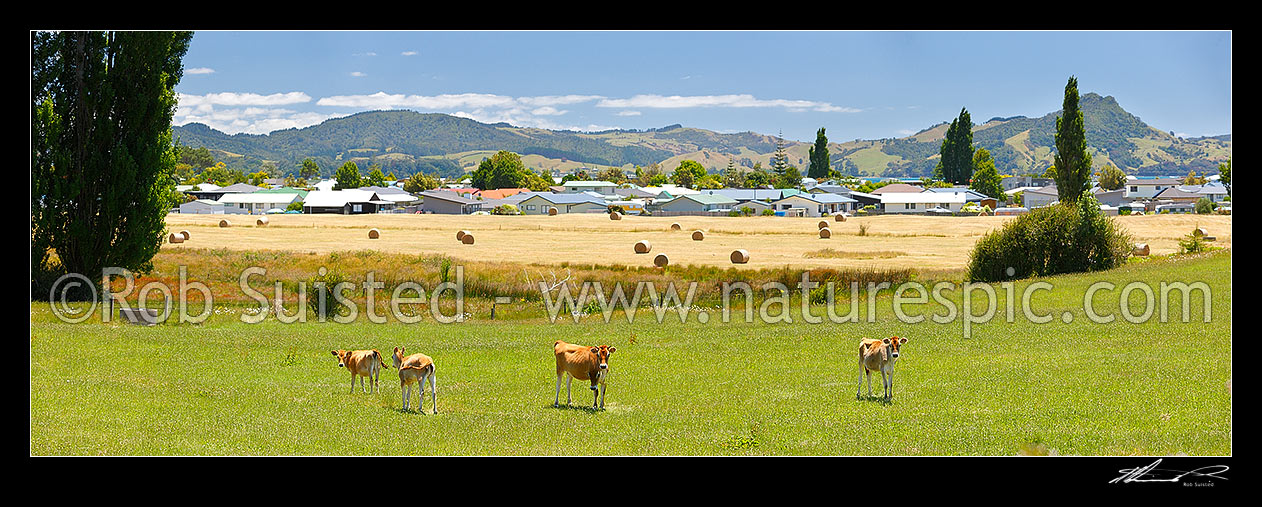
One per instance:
(628, 113)
(370, 53)
(408, 53)
(358, 74)
(243, 99)
(199, 70)
(742, 100)
(548, 111)
(249, 120)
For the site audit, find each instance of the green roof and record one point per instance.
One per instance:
(283, 190)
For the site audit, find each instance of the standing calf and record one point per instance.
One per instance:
(361, 363)
(878, 355)
(583, 363)
(416, 369)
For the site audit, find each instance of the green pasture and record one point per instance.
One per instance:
(224, 387)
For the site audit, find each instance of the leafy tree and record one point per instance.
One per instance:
(309, 169)
(1204, 206)
(1193, 179)
(503, 170)
(1072, 161)
(294, 206)
(709, 182)
(348, 176)
(688, 173)
(985, 178)
(375, 177)
(819, 157)
(1224, 175)
(1112, 178)
(257, 178)
(102, 155)
(650, 175)
(790, 179)
(612, 175)
(956, 162)
(1050, 172)
(421, 182)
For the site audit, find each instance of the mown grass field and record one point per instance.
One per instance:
(924, 243)
(1078, 388)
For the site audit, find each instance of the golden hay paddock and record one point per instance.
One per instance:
(919, 242)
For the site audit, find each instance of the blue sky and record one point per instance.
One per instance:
(857, 85)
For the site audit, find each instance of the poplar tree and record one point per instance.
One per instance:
(819, 157)
(102, 157)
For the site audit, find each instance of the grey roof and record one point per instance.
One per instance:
(1176, 192)
(385, 190)
(1155, 181)
(239, 187)
(969, 194)
(747, 194)
(834, 189)
(449, 196)
(634, 192)
(555, 198)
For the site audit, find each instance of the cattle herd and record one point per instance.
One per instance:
(572, 362)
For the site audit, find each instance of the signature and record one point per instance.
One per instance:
(1151, 473)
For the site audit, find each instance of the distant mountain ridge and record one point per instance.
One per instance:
(408, 141)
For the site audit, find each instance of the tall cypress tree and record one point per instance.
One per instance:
(819, 157)
(956, 151)
(102, 159)
(1072, 162)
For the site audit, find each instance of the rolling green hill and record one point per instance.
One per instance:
(407, 142)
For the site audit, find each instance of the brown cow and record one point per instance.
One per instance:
(361, 363)
(583, 363)
(414, 369)
(878, 355)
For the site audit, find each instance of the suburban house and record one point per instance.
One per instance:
(692, 203)
(1014, 182)
(213, 192)
(539, 203)
(1148, 188)
(449, 203)
(635, 193)
(603, 188)
(345, 202)
(898, 188)
(832, 189)
(970, 195)
(257, 203)
(1112, 198)
(814, 205)
(919, 202)
(208, 207)
(1176, 207)
(1040, 197)
(396, 195)
(1216, 192)
(499, 193)
(1177, 195)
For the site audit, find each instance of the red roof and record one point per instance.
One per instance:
(501, 193)
(462, 191)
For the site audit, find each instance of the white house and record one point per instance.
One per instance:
(257, 203)
(1040, 197)
(539, 203)
(1149, 188)
(208, 207)
(346, 202)
(920, 202)
(604, 188)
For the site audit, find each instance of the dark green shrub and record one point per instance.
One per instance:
(321, 300)
(1064, 238)
(1204, 206)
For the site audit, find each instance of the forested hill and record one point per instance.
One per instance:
(406, 142)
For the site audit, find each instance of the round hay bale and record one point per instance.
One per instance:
(698, 235)
(740, 256)
(175, 237)
(460, 235)
(825, 233)
(187, 235)
(1141, 249)
(840, 217)
(823, 224)
(615, 216)
(675, 226)
(643, 247)
(467, 238)
(225, 223)
(374, 233)
(261, 221)
(661, 260)
(1200, 232)
(552, 212)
